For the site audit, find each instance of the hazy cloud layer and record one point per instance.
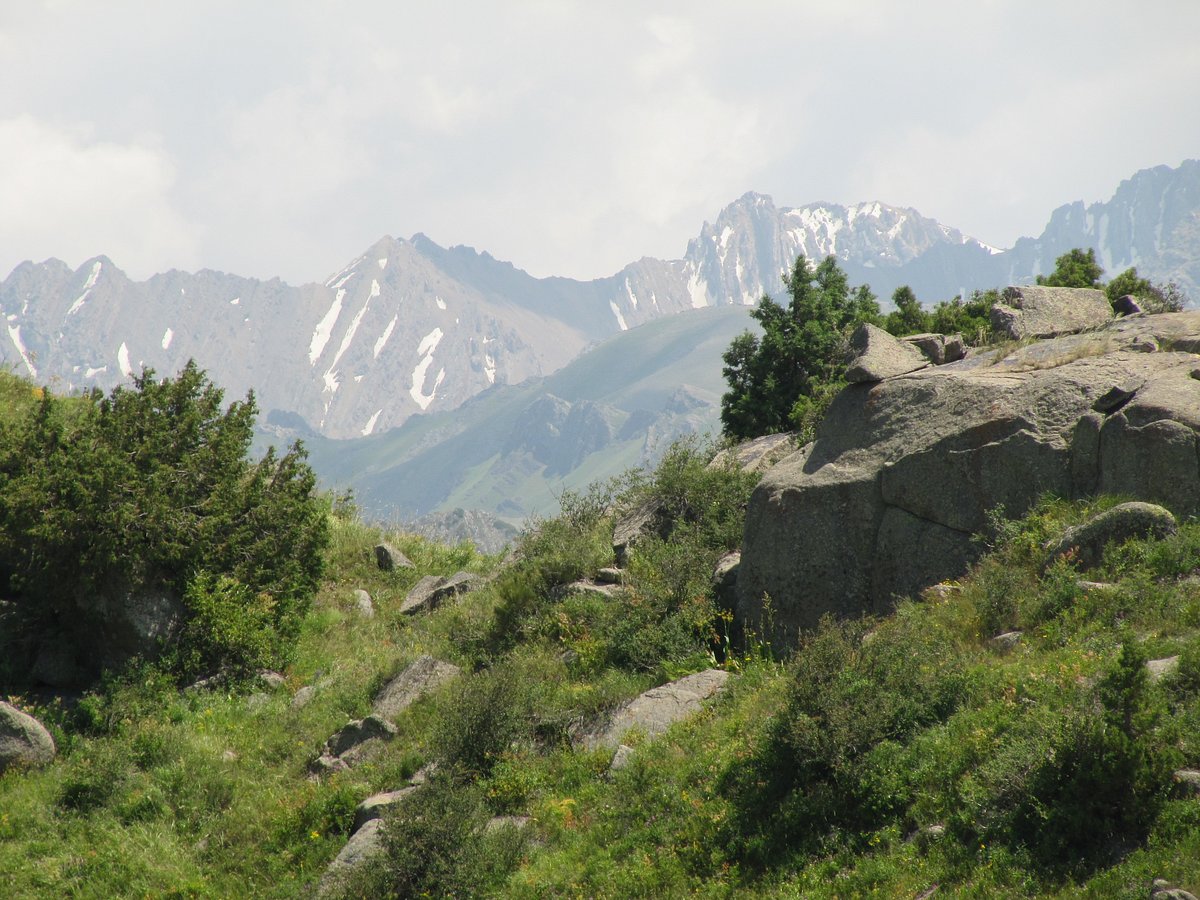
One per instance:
(283, 138)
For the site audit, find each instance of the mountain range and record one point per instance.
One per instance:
(410, 331)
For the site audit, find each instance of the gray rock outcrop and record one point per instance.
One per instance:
(24, 741)
(1040, 312)
(938, 348)
(363, 605)
(877, 355)
(364, 847)
(656, 710)
(420, 677)
(904, 471)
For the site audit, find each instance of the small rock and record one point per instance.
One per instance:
(633, 525)
(1126, 306)
(1188, 780)
(1163, 890)
(942, 591)
(420, 677)
(257, 701)
(349, 743)
(657, 709)
(1087, 586)
(587, 587)
(497, 822)
(364, 846)
(432, 591)
(1007, 641)
(1117, 396)
(229, 756)
(724, 580)
(621, 759)
(303, 696)
(611, 575)
(271, 680)
(423, 774)
(363, 604)
(24, 741)
(388, 558)
(376, 805)
(1158, 669)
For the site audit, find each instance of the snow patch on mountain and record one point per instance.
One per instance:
(123, 360)
(14, 332)
(324, 329)
(616, 310)
(383, 338)
(167, 337)
(87, 289)
(425, 350)
(370, 426)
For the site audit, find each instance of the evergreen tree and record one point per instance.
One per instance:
(908, 317)
(782, 380)
(1075, 268)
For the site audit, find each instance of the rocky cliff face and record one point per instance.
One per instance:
(905, 470)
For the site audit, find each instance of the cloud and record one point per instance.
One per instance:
(65, 196)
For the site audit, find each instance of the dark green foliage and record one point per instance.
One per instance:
(969, 317)
(802, 348)
(1151, 297)
(1075, 268)
(908, 317)
(491, 710)
(143, 491)
(860, 690)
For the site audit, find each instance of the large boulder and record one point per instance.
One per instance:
(904, 471)
(1085, 543)
(24, 741)
(1039, 312)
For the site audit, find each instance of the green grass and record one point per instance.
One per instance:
(816, 776)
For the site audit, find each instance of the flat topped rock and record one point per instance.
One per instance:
(876, 355)
(433, 590)
(420, 677)
(657, 709)
(1037, 311)
(389, 558)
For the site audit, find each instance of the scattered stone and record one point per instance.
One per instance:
(587, 587)
(1007, 641)
(1163, 889)
(363, 605)
(365, 846)
(271, 680)
(229, 756)
(24, 741)
(611, 575)
(388, 558)
(757, 454)
(939, 349)
(1038, 311)
(1158, 669)
(303, 696)
(656, 710)
(420, 677)
(351, 742)
(376, 805)
(876, 355)
(1087, 586)
(1086, 542)
(257, 701)
(1144, 344)
(497, 822)
(942, 591)
(420, 598)
(423, 774)
(1117, 396)
(457, 584)
(622, 758)
(633, 525)
(1188, 780)
(1126, 306)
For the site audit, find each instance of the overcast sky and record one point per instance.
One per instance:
(283, 138)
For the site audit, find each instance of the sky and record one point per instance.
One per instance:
(283, 137)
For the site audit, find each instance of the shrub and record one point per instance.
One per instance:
(102, 498)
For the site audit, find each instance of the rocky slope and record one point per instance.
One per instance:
(905, 469)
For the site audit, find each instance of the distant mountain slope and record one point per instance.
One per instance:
(513, 449)
(411, 327)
